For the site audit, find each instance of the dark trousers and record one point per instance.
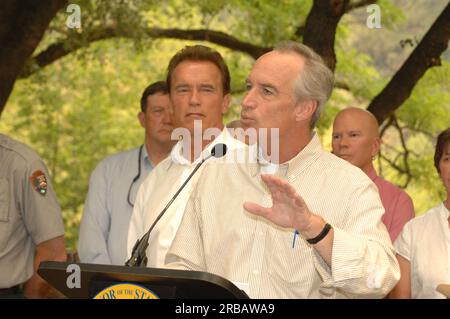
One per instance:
(15, 292)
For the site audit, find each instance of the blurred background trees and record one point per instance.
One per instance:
(77, 96)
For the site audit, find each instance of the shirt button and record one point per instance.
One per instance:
(261, 233)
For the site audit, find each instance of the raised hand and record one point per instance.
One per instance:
(288, 210)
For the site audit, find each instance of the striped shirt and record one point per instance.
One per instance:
(218, 236)
(157, 190)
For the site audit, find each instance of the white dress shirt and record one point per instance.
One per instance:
(104, 225)
(425, 242)
(219, 236)
(156, 191)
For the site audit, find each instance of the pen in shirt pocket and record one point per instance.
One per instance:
(295, 236)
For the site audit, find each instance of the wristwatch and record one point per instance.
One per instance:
(321, 236)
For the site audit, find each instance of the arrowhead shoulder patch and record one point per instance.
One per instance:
(39, 182)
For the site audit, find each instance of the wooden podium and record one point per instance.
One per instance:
(163, 283)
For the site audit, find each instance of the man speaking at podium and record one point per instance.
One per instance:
(318, 232)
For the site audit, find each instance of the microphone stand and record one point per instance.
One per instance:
(138, 256)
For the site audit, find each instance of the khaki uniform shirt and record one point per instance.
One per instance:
(218, 236)
(29, 211)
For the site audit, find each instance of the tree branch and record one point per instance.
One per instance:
(404, 154)
(320, 28)
(351, 6)
(359, 4)
(216, 37)
(341, 85)
(386, 126)
(63, 48)
(418, 130)
(395, 166)
(425, 55)
(328, 12)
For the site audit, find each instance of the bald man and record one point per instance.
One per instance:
(356, 139)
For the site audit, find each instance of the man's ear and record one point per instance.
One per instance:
(376, 146)
(141, 117)
(304, 110)
(226, 103)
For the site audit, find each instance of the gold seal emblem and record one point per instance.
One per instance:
(126, 291)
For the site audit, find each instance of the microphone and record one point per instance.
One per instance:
(138, 255)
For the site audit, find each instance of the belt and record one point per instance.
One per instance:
(11, 291)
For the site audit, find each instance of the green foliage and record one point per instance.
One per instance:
(235, 17)
(424, 115)
(428, 108)
(83, 107)
(75, 113)
(280, 19)
(364, 66)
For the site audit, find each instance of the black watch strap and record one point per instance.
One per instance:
(321, 236)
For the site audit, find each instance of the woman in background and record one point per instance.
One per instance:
(423, 247)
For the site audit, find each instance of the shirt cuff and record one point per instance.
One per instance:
(346, 259)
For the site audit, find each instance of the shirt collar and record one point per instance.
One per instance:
(177, 158)
(145, 157)
(294, 166)
(256, 155)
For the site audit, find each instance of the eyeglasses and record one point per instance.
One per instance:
(136, 177)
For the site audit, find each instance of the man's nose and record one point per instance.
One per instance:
(194, 98)
(248, 102)
(343, 141)
(167, 117)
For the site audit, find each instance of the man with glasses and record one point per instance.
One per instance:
(116, 179)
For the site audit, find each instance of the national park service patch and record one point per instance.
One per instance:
(39, 182)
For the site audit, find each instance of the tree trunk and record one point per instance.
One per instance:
(22, 25)
(320, 28)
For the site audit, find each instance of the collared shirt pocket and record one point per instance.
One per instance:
(4, 200)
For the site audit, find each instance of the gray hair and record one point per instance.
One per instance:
(316, 80)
